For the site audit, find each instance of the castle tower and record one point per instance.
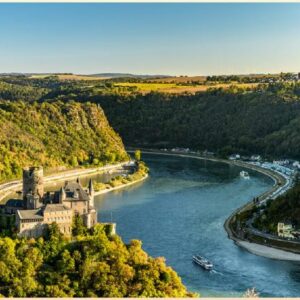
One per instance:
(91, 193)
(33, 187)
(62, 195)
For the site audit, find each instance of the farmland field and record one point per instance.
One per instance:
(180, 88)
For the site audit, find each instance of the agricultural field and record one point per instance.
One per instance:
(175, 88)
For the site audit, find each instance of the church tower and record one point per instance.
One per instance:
(33, 187)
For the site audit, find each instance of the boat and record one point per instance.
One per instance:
(202, 262)
(244, 175)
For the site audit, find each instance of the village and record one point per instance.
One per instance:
(287, 168)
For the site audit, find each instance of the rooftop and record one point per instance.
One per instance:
(74, 191)
(55, 207)
(14, 203)
(30, 214)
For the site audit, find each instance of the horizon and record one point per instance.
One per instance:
(177, 39)
(142, 74)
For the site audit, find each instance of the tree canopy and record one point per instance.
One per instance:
(55, 134)
(92, 264)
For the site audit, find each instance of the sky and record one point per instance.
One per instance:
(150, 38)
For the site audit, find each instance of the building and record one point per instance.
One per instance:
(234, 157)
(33, 222)
(255, 158)
(285, 230)
(36, 210)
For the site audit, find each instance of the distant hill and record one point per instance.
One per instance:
(265, 121)
(126, 75)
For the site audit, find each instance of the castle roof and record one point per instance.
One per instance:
(31, 214)
(75, 192)
(55, 207)
(14, 203)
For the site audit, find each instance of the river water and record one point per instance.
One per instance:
(180, 210)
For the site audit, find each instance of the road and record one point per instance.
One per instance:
(8, 187)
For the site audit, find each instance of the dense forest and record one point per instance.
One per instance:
(265, 120)
(92, 264)
(262, 120)
(55, 135)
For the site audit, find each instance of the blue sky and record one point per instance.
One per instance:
(191, 39)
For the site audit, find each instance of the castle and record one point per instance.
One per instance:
(37, 209)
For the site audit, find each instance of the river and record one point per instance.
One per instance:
(180, 210)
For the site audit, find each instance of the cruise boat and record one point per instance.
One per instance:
(244, 175)
(202, 262)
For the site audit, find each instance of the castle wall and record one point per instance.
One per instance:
(62, 218)
(79, 207)
(31, 229)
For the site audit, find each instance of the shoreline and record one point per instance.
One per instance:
(254, 248)
(101, 192)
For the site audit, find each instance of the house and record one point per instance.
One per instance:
(234, 157)
(285, 230)
(296, 164)
(255, 158)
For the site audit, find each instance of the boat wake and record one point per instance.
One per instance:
(216, 272)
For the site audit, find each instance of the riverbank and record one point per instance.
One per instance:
(140, 173)
(8, 187)
(268, 252)
(279, 182)
(120, 186)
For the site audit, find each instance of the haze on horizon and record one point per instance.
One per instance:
(156, 38)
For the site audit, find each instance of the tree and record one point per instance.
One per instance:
(78, 227)
(137, 155)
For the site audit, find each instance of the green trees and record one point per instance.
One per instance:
(54, 135)
(264, 121)
(91, 265)
(285, 208)
(137, 155)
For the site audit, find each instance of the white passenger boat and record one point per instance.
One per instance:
(202, 262)
(244, 175)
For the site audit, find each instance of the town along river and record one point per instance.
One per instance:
(179, 211)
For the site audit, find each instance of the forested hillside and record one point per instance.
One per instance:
(53, 135)
(285, 208)
(264, 119)
(92, 264)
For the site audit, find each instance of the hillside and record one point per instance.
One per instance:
(53, 135)
(285, 209)
(265, 120)
(94, 264)
(219, 115)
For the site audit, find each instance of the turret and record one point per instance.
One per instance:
(91, 188)
(62, 195)
(33, 187)
(91, 192)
